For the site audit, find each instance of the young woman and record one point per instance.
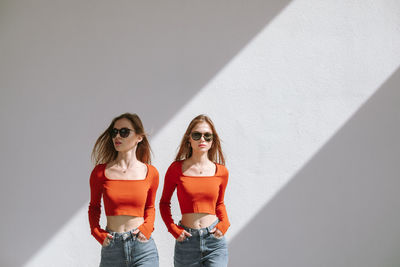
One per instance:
(128, 183)
(200, 177)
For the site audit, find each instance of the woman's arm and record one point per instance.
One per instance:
(149, 210)
(96, 187)
(220, 209)
(170, 184)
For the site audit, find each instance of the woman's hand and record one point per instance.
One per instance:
(217, 233)
(183, 236)
(141, 237)
(107, 240)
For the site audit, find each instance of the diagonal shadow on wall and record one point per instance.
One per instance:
(68, 67)
(342, 208)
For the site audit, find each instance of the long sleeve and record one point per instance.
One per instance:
(220, 209)
(94, 211)
(149, 209)
(170, 184)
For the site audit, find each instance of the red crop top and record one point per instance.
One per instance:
(196, 194)
(122, 197)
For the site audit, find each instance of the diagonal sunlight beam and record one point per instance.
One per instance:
(341, 208)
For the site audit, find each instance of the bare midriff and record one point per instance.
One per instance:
(123, 223)
(197, 220)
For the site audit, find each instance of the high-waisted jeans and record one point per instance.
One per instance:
(125, 249)
(201, 249)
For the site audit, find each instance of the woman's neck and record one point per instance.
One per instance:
(126, 160)
(199, 158)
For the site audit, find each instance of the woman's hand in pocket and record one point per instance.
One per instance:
(183, 236)
(107, 240)
(141, 237)
(217, 233)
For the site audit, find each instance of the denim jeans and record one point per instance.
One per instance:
(125, 249)
(201, 249)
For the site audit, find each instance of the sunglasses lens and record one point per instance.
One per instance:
(124, 132)
(196, 136)
(208, 137)
(114, 133)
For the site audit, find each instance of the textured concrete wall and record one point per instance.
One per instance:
(303, 93)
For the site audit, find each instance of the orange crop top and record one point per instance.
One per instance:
(196, 194)
(122, 197)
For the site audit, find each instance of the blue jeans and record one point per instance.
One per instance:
(125, 249)
(201, 249)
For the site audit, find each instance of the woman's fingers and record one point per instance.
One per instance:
(142, 237)
(187, 233)
(136, 231)
(217, 233)
(183, 236)
(107, 240)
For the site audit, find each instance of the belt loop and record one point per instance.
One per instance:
(209, 229)
(212, 226)
(111, 233)
(132, 234)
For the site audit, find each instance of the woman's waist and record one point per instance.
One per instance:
(197, 220)
(123, 223)
(204, 229)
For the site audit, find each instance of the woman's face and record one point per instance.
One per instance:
(128, 143)
(201, 145)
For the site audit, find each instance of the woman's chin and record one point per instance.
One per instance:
(201, 150)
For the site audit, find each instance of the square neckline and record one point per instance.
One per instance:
(208, 176)
(110, 179)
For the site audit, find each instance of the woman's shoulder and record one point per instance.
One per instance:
(152, 169)
(175, 167)
(100, 167)
(98, 171)
(176, 164)
(222, 170)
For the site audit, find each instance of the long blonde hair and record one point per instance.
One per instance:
(104, 151)
(214, 153)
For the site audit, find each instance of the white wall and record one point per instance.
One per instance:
(303, 93)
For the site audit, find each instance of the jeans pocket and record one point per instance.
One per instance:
(183, 241)
(217, 238)
(110, 242)
(144, 241)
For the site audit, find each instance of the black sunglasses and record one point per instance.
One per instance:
(197, 136)
(123, 132)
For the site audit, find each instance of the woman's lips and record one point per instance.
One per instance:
(117, 143)
(201, 145)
